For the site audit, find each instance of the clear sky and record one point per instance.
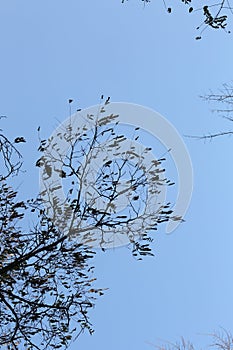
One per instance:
(55, 50)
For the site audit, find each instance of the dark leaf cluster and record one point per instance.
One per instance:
(45, 279)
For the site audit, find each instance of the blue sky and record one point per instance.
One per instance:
(55, 50)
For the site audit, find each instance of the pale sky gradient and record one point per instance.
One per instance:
(55, 50)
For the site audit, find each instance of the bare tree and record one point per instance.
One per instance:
(221, 340)
(222, 102)
(11, 159)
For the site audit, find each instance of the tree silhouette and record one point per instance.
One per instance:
(214, 14)
(46, 277)
(115, 193)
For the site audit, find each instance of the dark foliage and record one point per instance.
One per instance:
(45, 279)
